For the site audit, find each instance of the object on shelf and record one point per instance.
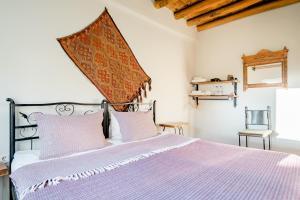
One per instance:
(215, 80)
(230, 77)
(198, 79)
(218, 90)
(201, 92)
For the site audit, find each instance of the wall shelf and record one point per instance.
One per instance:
(216, 83)
(213, 97)
(232, 96)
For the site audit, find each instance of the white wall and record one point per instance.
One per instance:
(219, 52)
(34, 68)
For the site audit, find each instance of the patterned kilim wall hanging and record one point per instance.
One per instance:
(102, 54)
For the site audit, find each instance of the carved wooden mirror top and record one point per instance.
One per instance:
(265, 69)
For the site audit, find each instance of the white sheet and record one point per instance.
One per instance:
(22, 158)
(26, 157)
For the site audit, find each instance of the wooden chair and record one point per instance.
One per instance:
(256, 118)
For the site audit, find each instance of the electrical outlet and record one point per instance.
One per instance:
(4, 159)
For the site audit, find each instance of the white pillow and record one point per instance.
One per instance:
(115, 131)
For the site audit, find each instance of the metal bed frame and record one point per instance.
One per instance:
(61, 108)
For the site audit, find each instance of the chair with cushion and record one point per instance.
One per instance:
(257, 118)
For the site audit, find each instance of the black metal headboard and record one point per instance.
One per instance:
(63, 108)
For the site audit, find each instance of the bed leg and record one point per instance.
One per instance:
(10, 191)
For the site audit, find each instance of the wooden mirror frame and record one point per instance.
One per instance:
(265, 57)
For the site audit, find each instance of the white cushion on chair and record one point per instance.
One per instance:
(255, 132)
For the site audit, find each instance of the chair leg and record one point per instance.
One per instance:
(264, 143)
(181, 130)
(269, 142)
(246, 141)
(239, 140)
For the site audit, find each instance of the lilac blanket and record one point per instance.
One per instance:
(169, 167)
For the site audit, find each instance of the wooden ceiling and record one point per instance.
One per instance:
(206, 14)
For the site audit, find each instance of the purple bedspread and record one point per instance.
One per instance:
(193, 170)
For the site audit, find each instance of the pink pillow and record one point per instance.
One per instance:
(136, 125)
(64, 135)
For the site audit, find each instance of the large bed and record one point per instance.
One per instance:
(165, 166)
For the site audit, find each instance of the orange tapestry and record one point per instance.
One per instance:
(102, 54)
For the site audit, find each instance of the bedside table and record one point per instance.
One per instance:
(3, 170)
(174, 125)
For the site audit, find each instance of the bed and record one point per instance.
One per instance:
(164, 166)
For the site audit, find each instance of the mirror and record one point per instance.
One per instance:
(265, 69)
(265, 74)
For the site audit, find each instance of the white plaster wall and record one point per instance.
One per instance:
(34, 68)
(219, 52)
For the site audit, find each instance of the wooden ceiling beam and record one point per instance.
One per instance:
(233, 8)
(246, 13)
(201, 8)
(162, 3)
